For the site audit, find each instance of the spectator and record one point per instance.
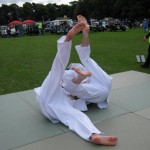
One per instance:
(40, 28)
(147, 62)
(20, 29)
(145, 25)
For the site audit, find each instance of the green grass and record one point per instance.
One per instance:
(25, 61)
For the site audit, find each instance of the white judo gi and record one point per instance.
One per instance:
(53, 97)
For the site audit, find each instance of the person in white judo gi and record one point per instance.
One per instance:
(64, 94)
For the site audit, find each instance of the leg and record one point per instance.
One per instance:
(85, 42)
(100, 82)
(85, 31)
(76, 29)
(81, 124)
(61, 59)
(147, 62)
(104, 140)
(51, 85)
(96, 138)
(148, 57)
(84, 53)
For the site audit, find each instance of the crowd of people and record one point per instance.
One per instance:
(37, 28)
(19, 29)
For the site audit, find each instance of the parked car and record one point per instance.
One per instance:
(60, 26)
(96, 26)
(6, 31)
(116, 27)
(3, 30)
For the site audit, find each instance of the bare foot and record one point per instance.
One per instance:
(104, 140)
(82, 19)
(81, 75)
(76, 29)
(86, 30)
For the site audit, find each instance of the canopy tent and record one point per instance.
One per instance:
(15, 22)
(28, 21)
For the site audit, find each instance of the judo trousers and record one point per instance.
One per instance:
(53, 100)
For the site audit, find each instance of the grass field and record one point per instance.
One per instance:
(25, 61)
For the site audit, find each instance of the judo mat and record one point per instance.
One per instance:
(23, 127)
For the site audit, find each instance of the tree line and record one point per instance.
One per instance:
(97, 9)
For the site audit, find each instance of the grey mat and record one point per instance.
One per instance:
(128, 78)
(132, 98)
(21, 122)
(144, 113)
(133, 133)
(132, 130)
(97, 115)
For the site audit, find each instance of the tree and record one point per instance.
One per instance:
(97, 9)
(5, 14)
(28, 11)
(40, 12)
(63, 10)
(51, 11)
(15, 11)
(81, 8)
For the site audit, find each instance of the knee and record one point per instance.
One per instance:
(106, 91)
(103, 95)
